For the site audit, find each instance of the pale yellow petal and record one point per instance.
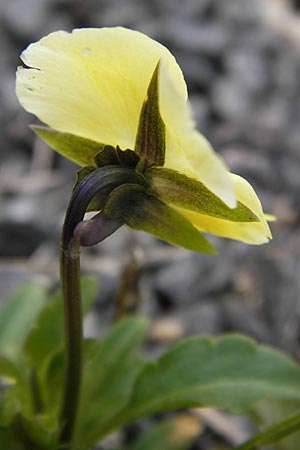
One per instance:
(251, 233)
(199, 161)
(194, 155)
(92, 83)
(270, 218)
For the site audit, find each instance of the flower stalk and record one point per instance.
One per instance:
(103, 179)
(70, 268)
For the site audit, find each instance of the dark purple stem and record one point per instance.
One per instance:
(104, 179)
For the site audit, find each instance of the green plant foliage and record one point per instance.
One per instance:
(26, 417)
(13, 388)
(108, 379)
(269, 412)
(47, 332)
(170, 434)
(7, 402)
(8, 370)
(51, 373)
(16, 318)
(42, 429)
(9, 440)
(230, 372)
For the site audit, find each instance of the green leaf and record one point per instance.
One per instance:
(273, 434)
(184, 192)
(143, 212)
(48, 331)
(9, 440)
(8, 402)
(270, 412)
(231, 372)
(108, 379)
(8, 370)
(41, 431)
(75, 148)
(172, 434)
(17, 316)
(14, 390)
(150, 140)
(52, 374)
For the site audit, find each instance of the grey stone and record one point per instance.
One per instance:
(187, 281)
(203, 317)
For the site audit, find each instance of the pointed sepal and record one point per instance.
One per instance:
(184, 192)
(150, 140)
(144, 212)
(75, 148)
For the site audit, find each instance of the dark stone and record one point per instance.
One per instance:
(19, 239)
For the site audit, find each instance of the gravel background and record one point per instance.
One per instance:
(241, 61)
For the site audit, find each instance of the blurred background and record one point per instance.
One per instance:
(241, 61)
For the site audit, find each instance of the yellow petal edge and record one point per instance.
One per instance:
(249, 232)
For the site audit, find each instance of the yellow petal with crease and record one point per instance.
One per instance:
(250, 233)
(92, 83)
(187, 150)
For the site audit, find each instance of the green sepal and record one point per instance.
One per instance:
(114, 156)
(76, 148)
(144, 212)
(150, 140)
(184, 192)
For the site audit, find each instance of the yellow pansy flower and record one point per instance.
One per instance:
(115, 88)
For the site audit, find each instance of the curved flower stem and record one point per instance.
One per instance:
(103, 179)
(274, 433)
(69, 273)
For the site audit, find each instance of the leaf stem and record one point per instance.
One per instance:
(274, 433)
